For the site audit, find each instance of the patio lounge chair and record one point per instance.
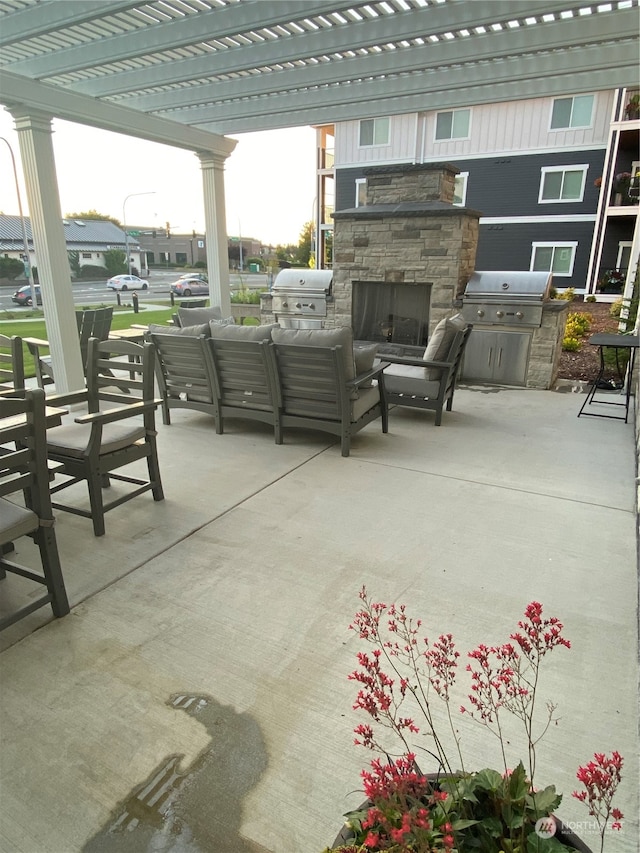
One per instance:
(319, 387)
(427, 379)
(23, 469)
(93, 323)
(94, 445)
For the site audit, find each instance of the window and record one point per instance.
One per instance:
(556, 258)
(560, 183)
(572, 112)
(86, 255)
(460, 188)
(361, 191)
(181, 257)
(453, 125)
(374, 131)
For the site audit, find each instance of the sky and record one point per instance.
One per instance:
(269, 180)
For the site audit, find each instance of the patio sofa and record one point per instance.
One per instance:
(312, 379)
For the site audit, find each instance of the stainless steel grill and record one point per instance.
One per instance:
(300, 298)
(506, 298)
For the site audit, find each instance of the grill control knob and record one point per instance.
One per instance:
(519, 315)
(298, 306)
(312, 306)
(285, 304)
(480, 312)
(499, 313)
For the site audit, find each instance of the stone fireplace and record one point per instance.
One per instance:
(402, 259)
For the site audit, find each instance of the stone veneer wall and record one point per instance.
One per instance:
(546, 345)
(408, 232)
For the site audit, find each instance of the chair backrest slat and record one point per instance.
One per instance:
(11, 362)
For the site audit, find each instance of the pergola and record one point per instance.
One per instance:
(186, 72)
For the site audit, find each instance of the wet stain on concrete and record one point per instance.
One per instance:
(197, 809)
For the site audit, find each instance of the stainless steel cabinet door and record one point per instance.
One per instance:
(497, 356)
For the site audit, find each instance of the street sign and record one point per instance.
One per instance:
(133, 233)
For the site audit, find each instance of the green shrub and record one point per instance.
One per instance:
(571, 344)
(590, 298)
(578, 324)
(568, 295)
(616, 308)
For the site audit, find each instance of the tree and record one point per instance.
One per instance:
(10, 268)
(303, 249)
(115, 261)
(93, 214)
(74, 262)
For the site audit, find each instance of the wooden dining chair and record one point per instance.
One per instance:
(92, 323)
(25, 502)
(94, 445)
(11, 364)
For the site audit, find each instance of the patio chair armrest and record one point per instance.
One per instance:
(415, 362)
(60, 401)
(368, 375)
(118, 414)
(35, 343)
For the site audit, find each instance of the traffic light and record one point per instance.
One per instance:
(153, 234)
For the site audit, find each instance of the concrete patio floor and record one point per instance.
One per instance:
(196, 698)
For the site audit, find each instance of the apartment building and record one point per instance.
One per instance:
(553, 179)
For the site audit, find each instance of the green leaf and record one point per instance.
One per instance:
(492, 825)
(488, 780)
(518, 783)
(463, 823)
(544, 802)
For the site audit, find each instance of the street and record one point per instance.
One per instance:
(97, 293)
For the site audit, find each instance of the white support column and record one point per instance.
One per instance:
(212, 166)
(36, 150)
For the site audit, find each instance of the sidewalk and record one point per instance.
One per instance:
(208, 648)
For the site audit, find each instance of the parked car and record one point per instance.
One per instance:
(127, 282)
(190, 285)
(23, 295)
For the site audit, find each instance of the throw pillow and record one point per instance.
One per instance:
(241, 333)
(195, 316)
(194, 331)
(342, 336)
(440, 342)
(363, 357)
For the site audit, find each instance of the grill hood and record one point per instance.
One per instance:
(303, 280)
(507, 284)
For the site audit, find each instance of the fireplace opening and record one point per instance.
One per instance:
(384, 312)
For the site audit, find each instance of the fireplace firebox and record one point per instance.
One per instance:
(385, 312)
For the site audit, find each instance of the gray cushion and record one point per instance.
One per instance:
(194, 331)
(72, 439)
(223, 321)
(196, 316)
(242, 333)
(440, 342)
(342, 336)
(364, 356)
(409, 379)
(15, 521)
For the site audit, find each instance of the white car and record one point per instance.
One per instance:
(127, 282)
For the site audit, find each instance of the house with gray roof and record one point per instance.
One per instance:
(91, 238)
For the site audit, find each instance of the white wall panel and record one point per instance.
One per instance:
(510, 127)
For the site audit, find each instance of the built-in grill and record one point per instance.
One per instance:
(300, 298)
(506, 298)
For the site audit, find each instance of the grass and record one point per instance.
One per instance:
(34, 326)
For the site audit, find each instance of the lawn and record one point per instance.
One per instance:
(34, 327)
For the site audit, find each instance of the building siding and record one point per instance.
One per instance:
(508, 247)
(515, 127)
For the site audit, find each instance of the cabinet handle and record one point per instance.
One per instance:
(489, 356)
(500, 357)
